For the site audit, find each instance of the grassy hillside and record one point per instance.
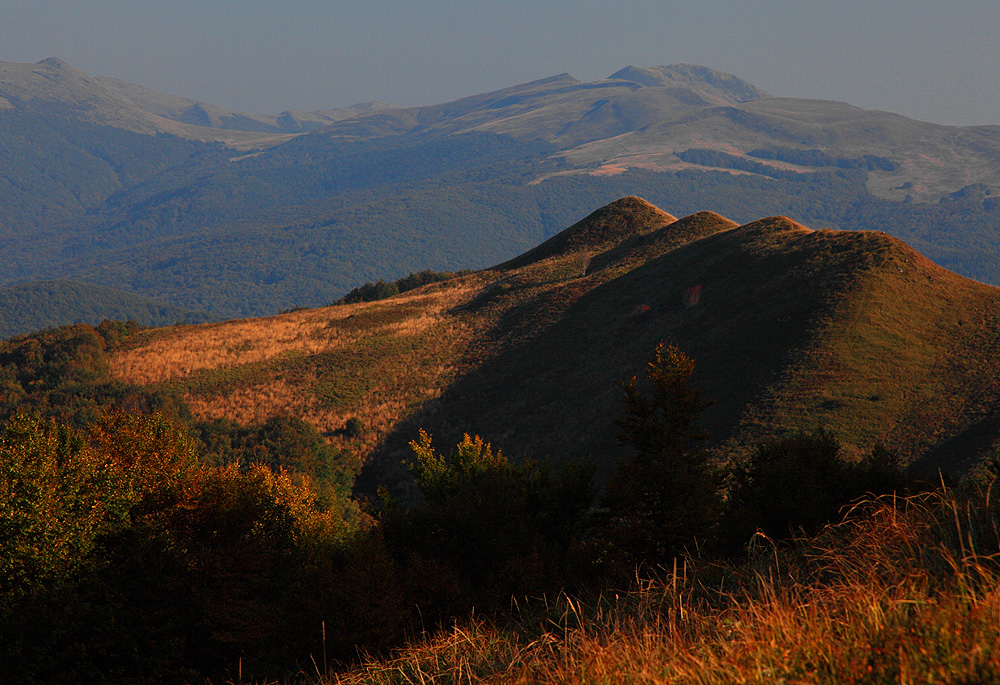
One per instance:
(792, 329)
(177, 500)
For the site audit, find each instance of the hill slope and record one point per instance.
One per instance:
(44, 304)
(791, 329)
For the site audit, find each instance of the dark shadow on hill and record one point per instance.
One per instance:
(740, 310)
(957, 455)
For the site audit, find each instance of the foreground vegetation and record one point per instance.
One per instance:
(904, 590)
(136, 549)
(156, 568)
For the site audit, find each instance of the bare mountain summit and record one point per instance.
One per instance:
(729, 88)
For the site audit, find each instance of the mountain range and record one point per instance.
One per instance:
(212, 214)
(791, 329)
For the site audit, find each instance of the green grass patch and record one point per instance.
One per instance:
(373, 317)
(344, 377)
(224, 380)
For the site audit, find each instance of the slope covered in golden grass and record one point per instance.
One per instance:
(791, 329)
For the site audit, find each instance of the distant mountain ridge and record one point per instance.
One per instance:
(110, 183)
(196, 113)
(56, 86)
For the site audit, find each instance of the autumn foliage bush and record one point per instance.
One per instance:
(124, 559)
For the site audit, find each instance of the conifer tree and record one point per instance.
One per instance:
(665, 497)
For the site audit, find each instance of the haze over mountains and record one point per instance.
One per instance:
(231, 214)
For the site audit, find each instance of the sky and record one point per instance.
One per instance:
(932, 61)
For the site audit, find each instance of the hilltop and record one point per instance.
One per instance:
(791, 329)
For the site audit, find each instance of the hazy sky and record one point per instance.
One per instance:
(931, 60)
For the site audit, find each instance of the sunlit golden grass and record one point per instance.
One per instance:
(170, 353)
(904, 591)
(372, 361)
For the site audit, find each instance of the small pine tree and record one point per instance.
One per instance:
(665, 498)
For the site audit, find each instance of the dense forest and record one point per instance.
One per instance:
(201, 228)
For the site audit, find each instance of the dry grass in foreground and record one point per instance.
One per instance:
(903, 591)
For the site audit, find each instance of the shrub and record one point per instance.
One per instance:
(488, 530)
(282, 442)
(57, 496)
(801, 482)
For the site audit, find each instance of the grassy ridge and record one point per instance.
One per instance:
(792, 329)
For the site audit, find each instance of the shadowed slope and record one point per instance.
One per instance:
(648, 245)
(791, 329)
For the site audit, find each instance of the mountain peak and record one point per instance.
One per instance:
(60, 65)
(775, 224)
(601, 229)
(52, 62)
(729, 87)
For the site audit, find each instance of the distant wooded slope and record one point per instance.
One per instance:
(99, 184)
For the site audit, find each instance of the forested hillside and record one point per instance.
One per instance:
(47, 304)
(97, 189)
